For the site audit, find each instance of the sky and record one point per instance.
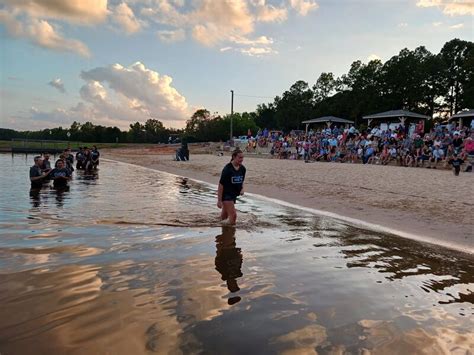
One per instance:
(116, 62)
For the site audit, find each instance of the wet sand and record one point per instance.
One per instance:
(430, 205)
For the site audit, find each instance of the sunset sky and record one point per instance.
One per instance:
(117, 62)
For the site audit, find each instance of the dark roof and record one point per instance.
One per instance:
(396, 114)
(328, 119)
(469, 113)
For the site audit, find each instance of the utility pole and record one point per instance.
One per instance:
(231, 111)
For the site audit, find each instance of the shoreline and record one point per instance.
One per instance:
(356, 204)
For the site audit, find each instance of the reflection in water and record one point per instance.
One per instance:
(129, 264)
(229, 260)
(414, 260)
(87, 175)
(61, 194)
(35, 197)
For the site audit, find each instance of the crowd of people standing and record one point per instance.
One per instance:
(41, 173)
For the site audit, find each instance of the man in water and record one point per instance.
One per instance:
(46, 163)
(80, 159)
(95, 157)
(37, 175)
(60, 175)
(230, 186)
(69, 159)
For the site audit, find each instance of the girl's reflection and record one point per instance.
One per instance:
(229, 260)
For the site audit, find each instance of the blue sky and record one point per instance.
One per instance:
(117, 62)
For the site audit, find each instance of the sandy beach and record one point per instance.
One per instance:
(430, 205)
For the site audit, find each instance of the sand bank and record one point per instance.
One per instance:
(430, 205)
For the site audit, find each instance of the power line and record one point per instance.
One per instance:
(259, 97)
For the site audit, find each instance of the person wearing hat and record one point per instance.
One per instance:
(37, 175)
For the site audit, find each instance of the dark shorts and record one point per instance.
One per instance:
(229, 197)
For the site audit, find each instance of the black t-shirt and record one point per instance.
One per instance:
(57, 173)
(457, 142)
(95, 155)
(456, 163)
(35, 171)
(232, 180)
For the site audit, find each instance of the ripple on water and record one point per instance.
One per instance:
(131, 261)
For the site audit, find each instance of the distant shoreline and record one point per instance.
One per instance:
(436, 209)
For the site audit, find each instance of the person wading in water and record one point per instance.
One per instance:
(231, 186)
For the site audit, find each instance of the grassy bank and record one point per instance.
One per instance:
(6, 145)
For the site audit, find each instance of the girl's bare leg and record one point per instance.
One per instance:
(228, 208)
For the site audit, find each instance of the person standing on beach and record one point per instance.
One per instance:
(231, 186)
(456, 164)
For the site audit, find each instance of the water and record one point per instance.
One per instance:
(132, 261)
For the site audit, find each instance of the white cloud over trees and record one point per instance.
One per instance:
(117, 96)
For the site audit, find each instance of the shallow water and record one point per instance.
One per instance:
(131, 261)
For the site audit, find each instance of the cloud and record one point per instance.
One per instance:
(80, 11)
(225, 22)
(263, 40)
(43, 34)
(257, 51)
(403, 24)
(124, 16)
(171, 36)
(303, 7)
(117, 96)
(58, 84)
(437, 24)
(455, 27)
(218, 21)
(270, 13)
(450, 7)
(373, 57)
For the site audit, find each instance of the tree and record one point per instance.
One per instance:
(457, 58)
(265, 116)
(155, 131)
(198, 120)
(325, 86)
(295, 106)
(136, 133)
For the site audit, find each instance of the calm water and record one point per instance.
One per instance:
(132, 261)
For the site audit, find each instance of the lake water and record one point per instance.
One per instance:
(131, 261)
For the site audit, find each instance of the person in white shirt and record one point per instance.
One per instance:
(437, 155)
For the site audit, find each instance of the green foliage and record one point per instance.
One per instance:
(204, 127)
(295, 106)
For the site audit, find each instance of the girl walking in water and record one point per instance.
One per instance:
(231, 186)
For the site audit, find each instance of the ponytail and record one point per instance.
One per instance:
(236, 152)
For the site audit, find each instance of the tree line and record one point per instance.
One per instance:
(437, 85)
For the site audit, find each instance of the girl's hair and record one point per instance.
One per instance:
(236, 152)
(57, 161)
